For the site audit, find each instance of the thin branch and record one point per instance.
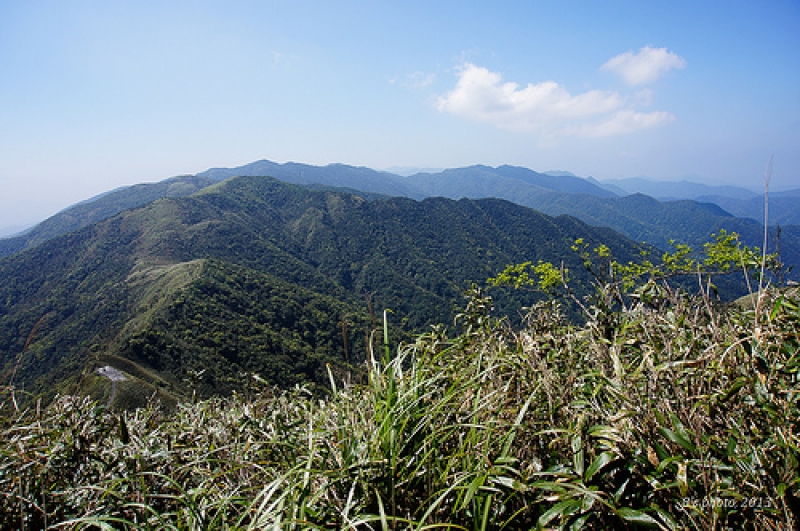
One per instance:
(767, 178)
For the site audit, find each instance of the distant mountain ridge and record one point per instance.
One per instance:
(478, 178)
(504, 182)
(555, 193)
(340, 175)
(672, 190)
(638, 216)
(784, 208)
(507, 182)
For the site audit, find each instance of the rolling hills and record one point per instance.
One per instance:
(196, 284)
(252, 276)
(637, 216)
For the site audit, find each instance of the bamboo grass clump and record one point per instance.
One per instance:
(668, 418)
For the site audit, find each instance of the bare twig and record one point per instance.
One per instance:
(767, 178)
(19, 357)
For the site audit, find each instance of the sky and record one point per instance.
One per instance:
(95, 95)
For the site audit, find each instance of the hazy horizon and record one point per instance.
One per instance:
(406, 171)
(100, 95)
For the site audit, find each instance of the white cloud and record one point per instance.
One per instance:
(623, 122)
(548, 108)
(645, 66)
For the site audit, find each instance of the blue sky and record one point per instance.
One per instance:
(98, 94)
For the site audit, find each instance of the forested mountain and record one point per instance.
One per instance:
(474, 182)
(643, 218)
(504, 182)
(102, 207)
(637, 216)
(339, 175)
(254, 276)
(784, 206)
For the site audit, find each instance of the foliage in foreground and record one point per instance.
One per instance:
(683, 416)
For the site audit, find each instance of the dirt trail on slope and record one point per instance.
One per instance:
(114, 376)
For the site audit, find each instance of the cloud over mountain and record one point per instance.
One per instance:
(548, 108)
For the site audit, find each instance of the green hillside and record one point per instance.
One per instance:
(508, 182)
(270, 294)
(643, 218)
(254, 276)
(637, 216)
(102, 207)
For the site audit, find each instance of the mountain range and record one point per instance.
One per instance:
(738, 201)
(637, 216)
(691, 218)
(280, 271)
(672, 190)
(255, 276)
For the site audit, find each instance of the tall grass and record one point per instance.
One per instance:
(670, 418)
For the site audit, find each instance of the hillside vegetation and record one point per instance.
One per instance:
(102, 207)
(670, 413)
(637, 216)
(213, 365)
(252, 276)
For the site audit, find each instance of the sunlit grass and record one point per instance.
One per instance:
(681, 417)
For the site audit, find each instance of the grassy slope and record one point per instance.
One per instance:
(685, 419)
